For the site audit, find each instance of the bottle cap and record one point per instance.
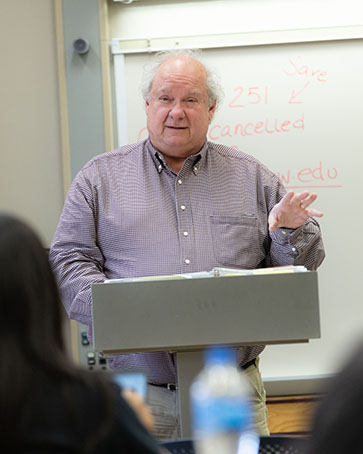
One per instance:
(220, 355)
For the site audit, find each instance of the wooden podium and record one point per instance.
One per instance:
(187, 315)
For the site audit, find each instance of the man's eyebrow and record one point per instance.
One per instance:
(166, 91)
(162, 90)
(195, 93)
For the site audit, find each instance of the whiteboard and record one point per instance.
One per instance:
(298, 108)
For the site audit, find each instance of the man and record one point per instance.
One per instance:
(177, 203)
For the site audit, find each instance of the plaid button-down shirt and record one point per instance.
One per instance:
(128, 215)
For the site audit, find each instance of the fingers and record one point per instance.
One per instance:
(301, 200)
(142, 410)
(301, 196)
(293, 211)
(308, 200)
(315, 213)
(304, 200)
(286, 200)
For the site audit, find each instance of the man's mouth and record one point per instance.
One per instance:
(177, 127)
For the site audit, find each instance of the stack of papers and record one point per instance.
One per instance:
(272, 270)
(216, 272)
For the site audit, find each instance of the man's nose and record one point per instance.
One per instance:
(177, 111)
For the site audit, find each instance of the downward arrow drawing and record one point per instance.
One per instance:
(295, 94)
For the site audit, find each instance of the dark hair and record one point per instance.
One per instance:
(337, 423)
(32, 350)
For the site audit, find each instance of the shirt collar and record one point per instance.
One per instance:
(195, 161)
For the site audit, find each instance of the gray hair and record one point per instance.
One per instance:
(214, 89)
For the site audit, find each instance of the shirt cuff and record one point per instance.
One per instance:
(282, 235)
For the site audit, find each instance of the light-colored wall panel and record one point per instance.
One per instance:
(84, 82)
(31, 181)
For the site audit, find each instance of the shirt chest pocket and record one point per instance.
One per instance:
(237, 241)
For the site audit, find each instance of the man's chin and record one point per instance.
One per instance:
(176, 148)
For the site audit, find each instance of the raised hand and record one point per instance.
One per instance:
(293, 211)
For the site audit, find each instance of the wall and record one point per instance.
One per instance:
(31, 180)
(84, 82)
(31, 161)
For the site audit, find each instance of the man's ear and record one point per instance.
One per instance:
(212, 110)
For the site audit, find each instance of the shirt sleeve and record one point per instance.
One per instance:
(74, 254)
(301, 246)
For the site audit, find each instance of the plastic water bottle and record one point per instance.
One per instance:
(222, 414)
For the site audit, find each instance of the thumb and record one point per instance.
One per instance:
(272, 222)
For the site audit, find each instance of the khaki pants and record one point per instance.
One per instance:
(258, 398)
(164, 407)
(165, 410)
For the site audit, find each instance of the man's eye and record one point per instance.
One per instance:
(191, 100)
(164, 98)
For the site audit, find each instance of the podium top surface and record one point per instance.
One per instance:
(190, 314)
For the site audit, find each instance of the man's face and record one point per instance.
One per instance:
(178, 114)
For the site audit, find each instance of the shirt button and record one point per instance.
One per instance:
(182, 207)
(185, 233)
(293, 249)
(180, 181)
(187, 261)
